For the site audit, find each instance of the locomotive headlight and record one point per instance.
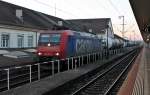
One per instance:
(49, 44)
(39, 53)
(57, 54)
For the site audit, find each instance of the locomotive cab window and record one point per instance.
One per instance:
(44, 38)
(53, 39)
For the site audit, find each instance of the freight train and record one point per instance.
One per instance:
(116, 43)
(61, 44)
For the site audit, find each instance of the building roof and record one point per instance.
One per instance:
(31, 19)
(97, 25)
(38, 20)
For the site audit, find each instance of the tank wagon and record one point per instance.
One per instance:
(117, 42)
(61, 44)
(113, 43)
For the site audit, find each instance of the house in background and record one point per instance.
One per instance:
(19, 26)
(99, 26)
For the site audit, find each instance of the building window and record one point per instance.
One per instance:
(5, 40)
(20, 41)
(30, 41)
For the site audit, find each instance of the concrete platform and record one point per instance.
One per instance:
(9, 58)
(138, 79)
(49, 83)
(16, 54)
(6, 62)
(147, 72)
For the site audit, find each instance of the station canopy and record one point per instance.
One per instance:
(142, 15)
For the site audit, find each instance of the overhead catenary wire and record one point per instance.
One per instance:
(114, 7)
(54, 7)
(77, 8)
(122, 12)
(130, 27)
(118, 11)
(71, 14)
(102, 6)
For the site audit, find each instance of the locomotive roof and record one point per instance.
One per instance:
(71, 32)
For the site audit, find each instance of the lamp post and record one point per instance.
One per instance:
(107, 52)
(122, 25)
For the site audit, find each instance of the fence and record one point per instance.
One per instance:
(11, 77)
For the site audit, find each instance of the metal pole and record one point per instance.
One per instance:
(82, 60)
(36, 39)
(87, 59)
(123, 24)
(93, 57)
(68, 63)
(98, 55)
(8, 81)
(72, 62)
(123, 27)
(107, 53)
(75, 63)
(111, 52)
(39, 73)
(58, 61)
(30, 73)
(53, 68)
(79, 61)
(102, 55)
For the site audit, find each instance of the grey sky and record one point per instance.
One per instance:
(77, 9)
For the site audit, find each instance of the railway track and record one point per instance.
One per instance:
(99, 82)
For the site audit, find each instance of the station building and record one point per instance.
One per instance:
(19, 26)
